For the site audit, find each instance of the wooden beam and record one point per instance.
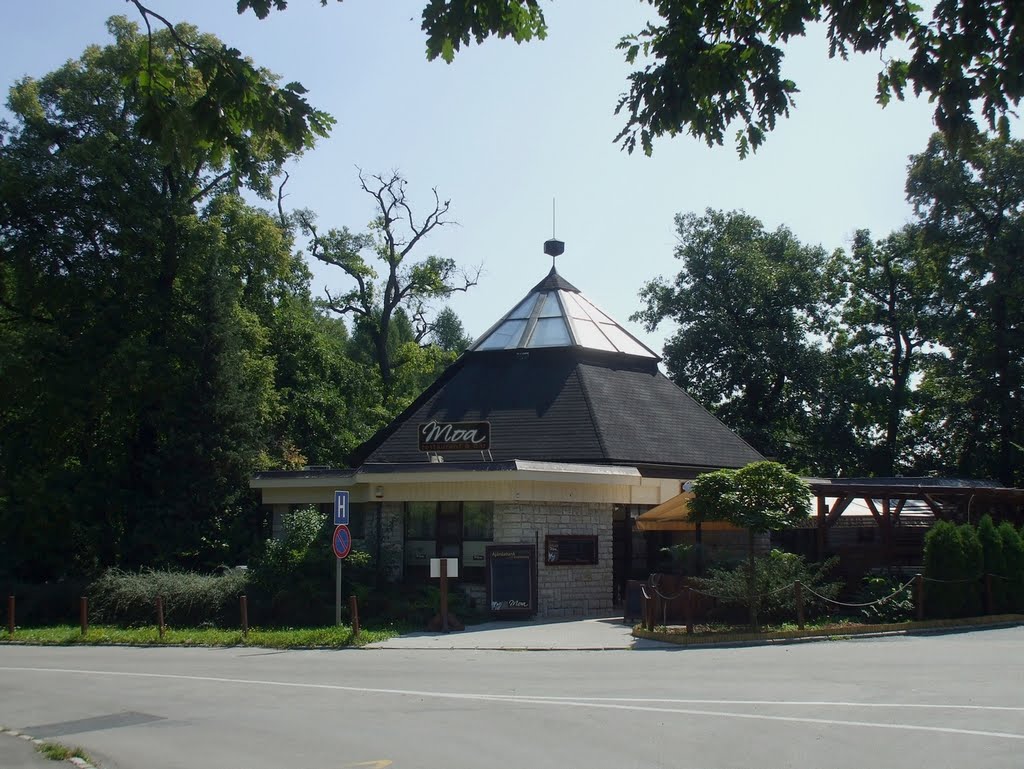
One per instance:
(899, 509)
(838, 508)
(935, 506)
(873, 509)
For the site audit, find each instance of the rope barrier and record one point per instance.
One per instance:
(792, 585)
(954, 581)
(966, 579)
(664, 597)
(861, 605)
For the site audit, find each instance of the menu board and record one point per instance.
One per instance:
(511, 583)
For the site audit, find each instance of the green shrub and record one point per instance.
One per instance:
(953, 566)
(294, 576)
(993, 563)
(1013, 557)
(773, 573)
(899, 606)
(190, 600)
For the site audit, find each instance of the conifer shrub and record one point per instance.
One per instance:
(993, 564)
(953, 567)
(1013, 557)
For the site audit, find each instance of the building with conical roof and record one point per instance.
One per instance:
(527, 460)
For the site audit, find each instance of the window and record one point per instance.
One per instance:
(420, 520)
(570, 550)
(478, 520)
(357, 514)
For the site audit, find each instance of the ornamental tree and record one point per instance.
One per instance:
(761, 497)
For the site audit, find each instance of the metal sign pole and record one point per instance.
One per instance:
(337, 591)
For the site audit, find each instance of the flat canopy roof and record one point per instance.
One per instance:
(413, 472)
(913, 488)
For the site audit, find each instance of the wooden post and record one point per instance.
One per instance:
(353, 610)
(10, 614)
(160, 615)
(688, 597)
(83, 613)
(989, 608)
(444, 595)
(887, 534)
(822, 527)
(919, 584)
(799, 604)
(243, 605)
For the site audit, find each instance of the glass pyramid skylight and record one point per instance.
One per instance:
(556, 314)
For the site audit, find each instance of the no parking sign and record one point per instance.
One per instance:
(341, 542)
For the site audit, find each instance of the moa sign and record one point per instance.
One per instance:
(454, 436)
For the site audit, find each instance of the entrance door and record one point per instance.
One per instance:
(621, 557)
(449, 530)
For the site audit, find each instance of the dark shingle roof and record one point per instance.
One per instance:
(554, 282)
(642, 417)
(585, 391)
(566, 406)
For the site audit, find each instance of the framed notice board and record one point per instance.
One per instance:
(563, 550)
(511, 580)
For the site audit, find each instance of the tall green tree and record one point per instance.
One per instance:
(748, 303)
(138, 374)
(448, 333)
(970, 202)
(706, 65)
(889, 320)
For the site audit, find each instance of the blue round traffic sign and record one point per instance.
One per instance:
(341, 541)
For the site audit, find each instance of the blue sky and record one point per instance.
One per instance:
(506, 128)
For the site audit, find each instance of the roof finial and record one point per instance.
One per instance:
(553, 247)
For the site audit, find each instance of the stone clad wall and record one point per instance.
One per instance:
(563, 591)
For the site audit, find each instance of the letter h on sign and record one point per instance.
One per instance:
(341, 508)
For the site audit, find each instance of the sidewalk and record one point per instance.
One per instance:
(532, 635)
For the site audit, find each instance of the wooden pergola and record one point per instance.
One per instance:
(887, 498)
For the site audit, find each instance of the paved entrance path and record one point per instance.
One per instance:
(533, 635)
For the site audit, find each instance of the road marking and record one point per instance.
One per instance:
(628, 704)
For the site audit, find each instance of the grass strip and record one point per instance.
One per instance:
(331, 637)
(55, 752)
(845, 630)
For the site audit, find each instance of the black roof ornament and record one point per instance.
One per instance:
(553, 247)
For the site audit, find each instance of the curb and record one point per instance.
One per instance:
(932, 627)
(498, 648)
(81, 763)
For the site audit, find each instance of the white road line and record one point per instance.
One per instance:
(609, 703)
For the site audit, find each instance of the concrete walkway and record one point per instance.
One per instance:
(531, 635)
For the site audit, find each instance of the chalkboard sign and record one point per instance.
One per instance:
(511, 587)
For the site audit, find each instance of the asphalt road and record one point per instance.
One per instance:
(938, 701)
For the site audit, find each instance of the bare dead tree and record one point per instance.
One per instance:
(394, 232)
